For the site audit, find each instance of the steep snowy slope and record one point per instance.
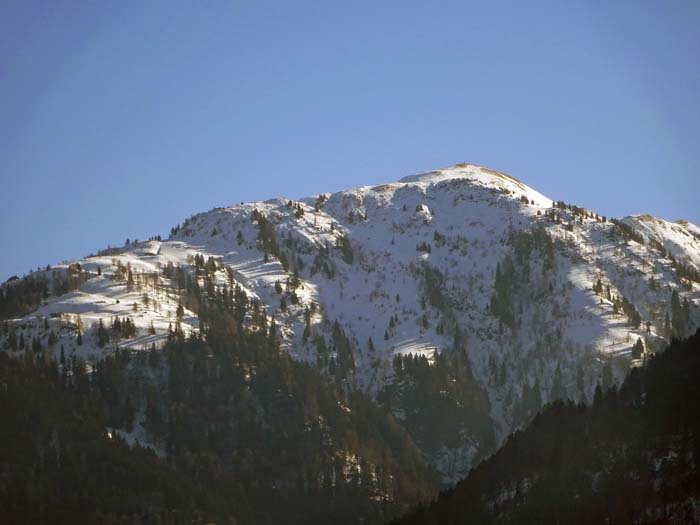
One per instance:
(546, 299)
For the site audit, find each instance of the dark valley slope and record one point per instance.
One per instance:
(630, 458)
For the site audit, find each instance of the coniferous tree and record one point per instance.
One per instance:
(638, 349)
(180, 312)
(501, 301)
(12, 339)
(608, 380)
(678, 316)
(598, 395)
(36, 345)
(101, 334)
(343, 242)
(153, 356)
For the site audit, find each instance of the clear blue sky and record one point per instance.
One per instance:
(120, 119)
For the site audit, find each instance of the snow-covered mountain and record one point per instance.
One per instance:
(547, 299)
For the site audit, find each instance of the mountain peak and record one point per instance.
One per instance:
(547, 301)
(481, 176)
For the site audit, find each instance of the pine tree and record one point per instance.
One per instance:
(598, 286)
(558, 391)
(598, 395)
(501, 301)
(677, 317)
(638, 349)
(153, 357)
(12, 339)
(180, 312)
(607, 376)
(343, 242)
(101, 334)
(272, 334)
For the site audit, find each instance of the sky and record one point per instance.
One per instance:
(121, 119)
